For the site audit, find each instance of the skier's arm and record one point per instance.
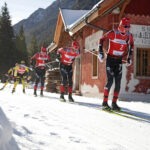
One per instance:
(131, 47)
(15, 71)
(32, 58)
(101, 53)
(26, 73)
(48, 58)
(106, 36)
(10, 71)
(59, 52)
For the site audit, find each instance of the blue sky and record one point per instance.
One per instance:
(21, 9)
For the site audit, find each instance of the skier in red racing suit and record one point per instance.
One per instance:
(120, 44)
(66, 56)
(41, 59)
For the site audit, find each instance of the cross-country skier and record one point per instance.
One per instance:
(66, 56)
(10, 76)
(21, 73)
(40, 69)
(120, 44)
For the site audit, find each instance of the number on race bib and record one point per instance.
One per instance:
(121, 48)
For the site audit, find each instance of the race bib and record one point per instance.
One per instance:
(117, 53)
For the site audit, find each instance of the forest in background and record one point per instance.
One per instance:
(23, 40)
(13, 48)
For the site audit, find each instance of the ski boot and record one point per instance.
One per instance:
(35, 94)
(41, 94)
(24, 91)
(70, 98)
(105, 106)
(62, 99)
(115, 106)
(13, 91)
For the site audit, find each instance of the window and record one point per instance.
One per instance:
(143, 62)
(95, 65)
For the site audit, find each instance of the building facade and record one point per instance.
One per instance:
(89, 74)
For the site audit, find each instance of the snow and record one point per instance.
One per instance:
(45, 123)
(71, 16)
(77, 16)
(7, 142)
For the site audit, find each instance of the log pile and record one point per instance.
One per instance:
(53, 81)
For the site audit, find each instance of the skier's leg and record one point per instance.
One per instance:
(63, 82)
(28, 81)
(8, 81)
(118, 76)
(4, 85)
(42, 81)
(15, 84)
(23, 84)
(110, 75)
(70, 84)
(37, 79)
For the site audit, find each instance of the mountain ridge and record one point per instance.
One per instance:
(42, 22)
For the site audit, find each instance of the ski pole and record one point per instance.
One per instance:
(51, 62)
(93, 53)
(90, 52)
(124, 61)
(97, 55)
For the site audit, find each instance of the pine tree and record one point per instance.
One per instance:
(7, 45)
(21, 45)
(33, 47)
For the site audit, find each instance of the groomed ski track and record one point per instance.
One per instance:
(45, 123)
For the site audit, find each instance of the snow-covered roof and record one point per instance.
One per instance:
(71, 16)
(87, 14)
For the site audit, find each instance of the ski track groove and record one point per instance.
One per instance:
(107, 135)
(83, 129)
(61, 121)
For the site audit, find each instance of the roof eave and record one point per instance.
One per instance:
(66, 29)
(92, 15)
(86, 15)
(52, 46)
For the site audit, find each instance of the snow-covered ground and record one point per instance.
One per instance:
(45, 123)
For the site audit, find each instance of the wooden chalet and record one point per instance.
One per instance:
(87, 26)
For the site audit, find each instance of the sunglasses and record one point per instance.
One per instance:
(126, 26)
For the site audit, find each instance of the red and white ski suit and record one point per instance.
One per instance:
(41, 60)
(67, 57)
(118, 43)
(117, 49)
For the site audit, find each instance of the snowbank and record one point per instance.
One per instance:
(7, 142)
